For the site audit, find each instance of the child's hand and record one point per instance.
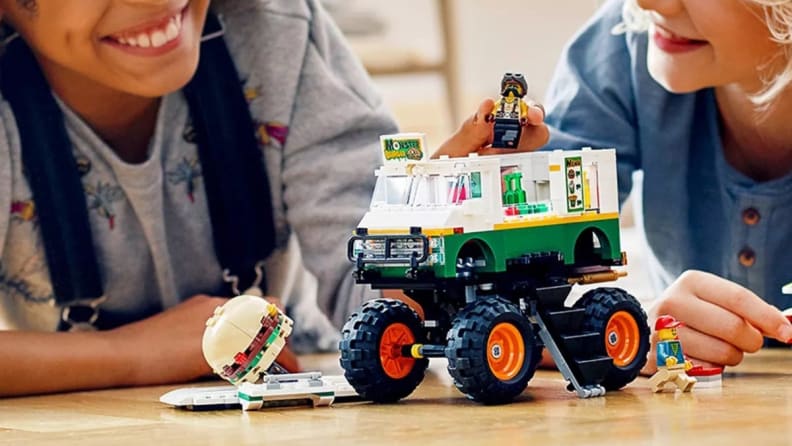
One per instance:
(167, 346)
(722, 320)
(475, 134)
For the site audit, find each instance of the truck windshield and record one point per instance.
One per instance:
(424, 190)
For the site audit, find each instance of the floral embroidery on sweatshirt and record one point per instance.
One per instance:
(15, 286)
(188, 171)
(271, 132)
(23, 210)
(101, 198)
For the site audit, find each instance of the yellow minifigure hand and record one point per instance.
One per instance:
(688, 365)
(671, 360)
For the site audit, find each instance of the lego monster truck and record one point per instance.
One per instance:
(490, 248)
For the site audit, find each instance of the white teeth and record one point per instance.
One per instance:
(144, 40)
(158, 39)
(173, 30)
(155, 38)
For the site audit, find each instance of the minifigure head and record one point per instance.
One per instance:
(515, 84)
(695, 44)
(142, 47)
(666, 327)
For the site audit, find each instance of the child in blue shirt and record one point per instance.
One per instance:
(698, 98)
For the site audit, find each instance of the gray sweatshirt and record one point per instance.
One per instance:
(318, 120)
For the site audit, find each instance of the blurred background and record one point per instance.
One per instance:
(435, 60)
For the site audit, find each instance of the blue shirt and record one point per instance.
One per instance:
(667, 349)
(693, 201)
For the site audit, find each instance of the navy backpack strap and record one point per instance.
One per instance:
(234, 173)
(240, 204)
(51, 171)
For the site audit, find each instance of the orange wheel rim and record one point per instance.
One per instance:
(396, 365)
(505, 351)
(621, 338)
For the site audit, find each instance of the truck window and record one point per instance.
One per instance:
(426, 189)
(519, 199)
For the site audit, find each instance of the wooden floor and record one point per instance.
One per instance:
(754, 407)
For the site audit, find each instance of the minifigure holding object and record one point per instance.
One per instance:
(671, 363)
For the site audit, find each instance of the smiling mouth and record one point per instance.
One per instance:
(154, 36)
(675, 38)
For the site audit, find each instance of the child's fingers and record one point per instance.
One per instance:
(534, 134)
(703, 348)
(713, 320)
(742, 302)
(533, 137)
(474, 134)
(536, 113)
(288, 360)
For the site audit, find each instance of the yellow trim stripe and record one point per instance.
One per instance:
(555, 168)
(555, 220)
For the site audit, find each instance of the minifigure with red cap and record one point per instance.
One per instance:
(671, 362)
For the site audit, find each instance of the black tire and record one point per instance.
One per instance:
(468, 352)
(601, 305)
(362, 336)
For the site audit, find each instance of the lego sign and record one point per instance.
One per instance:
(403, 147)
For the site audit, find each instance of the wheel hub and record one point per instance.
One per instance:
(621, 335)
(505, 351)
(394, 364)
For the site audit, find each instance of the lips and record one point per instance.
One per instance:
(670, 42)
(153, 35)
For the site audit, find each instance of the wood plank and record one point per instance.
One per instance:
(753, 406)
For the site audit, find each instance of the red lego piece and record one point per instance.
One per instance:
(704, 371)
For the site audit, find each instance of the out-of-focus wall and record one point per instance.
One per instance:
(489, 37)
(517, 35)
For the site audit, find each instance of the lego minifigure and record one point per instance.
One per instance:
(510, 112)
(671, 362)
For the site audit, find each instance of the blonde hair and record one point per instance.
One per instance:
(777, 15)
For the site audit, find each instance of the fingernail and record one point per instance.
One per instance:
(786, 333)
